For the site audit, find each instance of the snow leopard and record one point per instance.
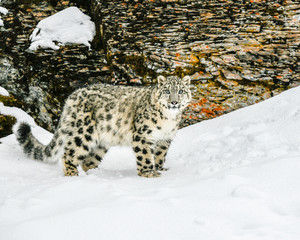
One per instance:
(99, 116)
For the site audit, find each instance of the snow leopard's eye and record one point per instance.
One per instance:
(180, 91)
(167, 91)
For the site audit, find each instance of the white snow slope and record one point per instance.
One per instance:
(233, 177)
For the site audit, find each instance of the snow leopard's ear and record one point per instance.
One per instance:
(187, 80)
(160, 80)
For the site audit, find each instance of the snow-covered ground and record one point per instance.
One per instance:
(67, 26)
(236, 177)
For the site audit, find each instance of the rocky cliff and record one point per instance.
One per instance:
(237, 52)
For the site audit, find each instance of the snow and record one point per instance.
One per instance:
(3, 92)
(233, 177)
(3, 11)
(67, 26)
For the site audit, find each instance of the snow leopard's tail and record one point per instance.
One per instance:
(33, 148)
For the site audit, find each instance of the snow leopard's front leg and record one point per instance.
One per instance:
(161, 151)
(144, 151)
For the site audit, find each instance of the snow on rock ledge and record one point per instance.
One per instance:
(67, 26)
(3, 11)
(3, 92)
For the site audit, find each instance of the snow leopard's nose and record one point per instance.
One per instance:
(174, 103)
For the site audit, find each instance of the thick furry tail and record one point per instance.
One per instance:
(32, 147)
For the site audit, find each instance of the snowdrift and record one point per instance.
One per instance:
(233, 177)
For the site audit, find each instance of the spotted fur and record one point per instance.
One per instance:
(100, 116)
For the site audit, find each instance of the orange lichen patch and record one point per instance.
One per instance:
(135, 80)
(105, 68)
(219, 109)
(198, 103)
(203, 109)
(207, 111)
(39, 15)
(194, 59)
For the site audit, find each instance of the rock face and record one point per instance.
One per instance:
(44, 78)
(237, 52)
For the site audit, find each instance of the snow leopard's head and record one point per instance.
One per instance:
(173, 93)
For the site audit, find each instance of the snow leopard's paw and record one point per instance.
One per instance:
(149, 174)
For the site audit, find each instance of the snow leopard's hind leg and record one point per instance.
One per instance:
(70, 162)
(93, 159)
